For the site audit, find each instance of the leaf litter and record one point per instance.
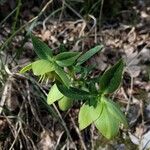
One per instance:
(128, 41)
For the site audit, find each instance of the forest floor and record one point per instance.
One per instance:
(27, 122)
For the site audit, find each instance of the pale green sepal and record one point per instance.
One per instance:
(26, 68)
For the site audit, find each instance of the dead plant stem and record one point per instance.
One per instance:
(79, 133)
(100, 13)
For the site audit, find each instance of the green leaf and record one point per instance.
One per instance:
(89, 114)
(61, 73)
(89, 54)
(107, 124)
(40, 67)
(26, 68)
(54, 95)
(65, 103)
(111, 79)
(74, 93)
(41, 49)
(116, 112)
(66, 59)
(66, 55)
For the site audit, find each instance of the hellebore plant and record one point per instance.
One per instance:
(75, 84)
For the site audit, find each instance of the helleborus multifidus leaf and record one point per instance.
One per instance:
(40, 67)
(65, 103)
(89, 54)
(110, 119)
(41, 49)
(63, 76)
(89, 114)
(66, 59)
(74, 93)
(26, 68)
(54, 95)
(111, 78)
(107, 124)
(114, 109)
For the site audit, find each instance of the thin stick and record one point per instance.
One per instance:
(16, 136)
(100, 14)
(92, 136)
(47, 18)
(62, 11)
(73, 10)
(8, 16)
(79, 133)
